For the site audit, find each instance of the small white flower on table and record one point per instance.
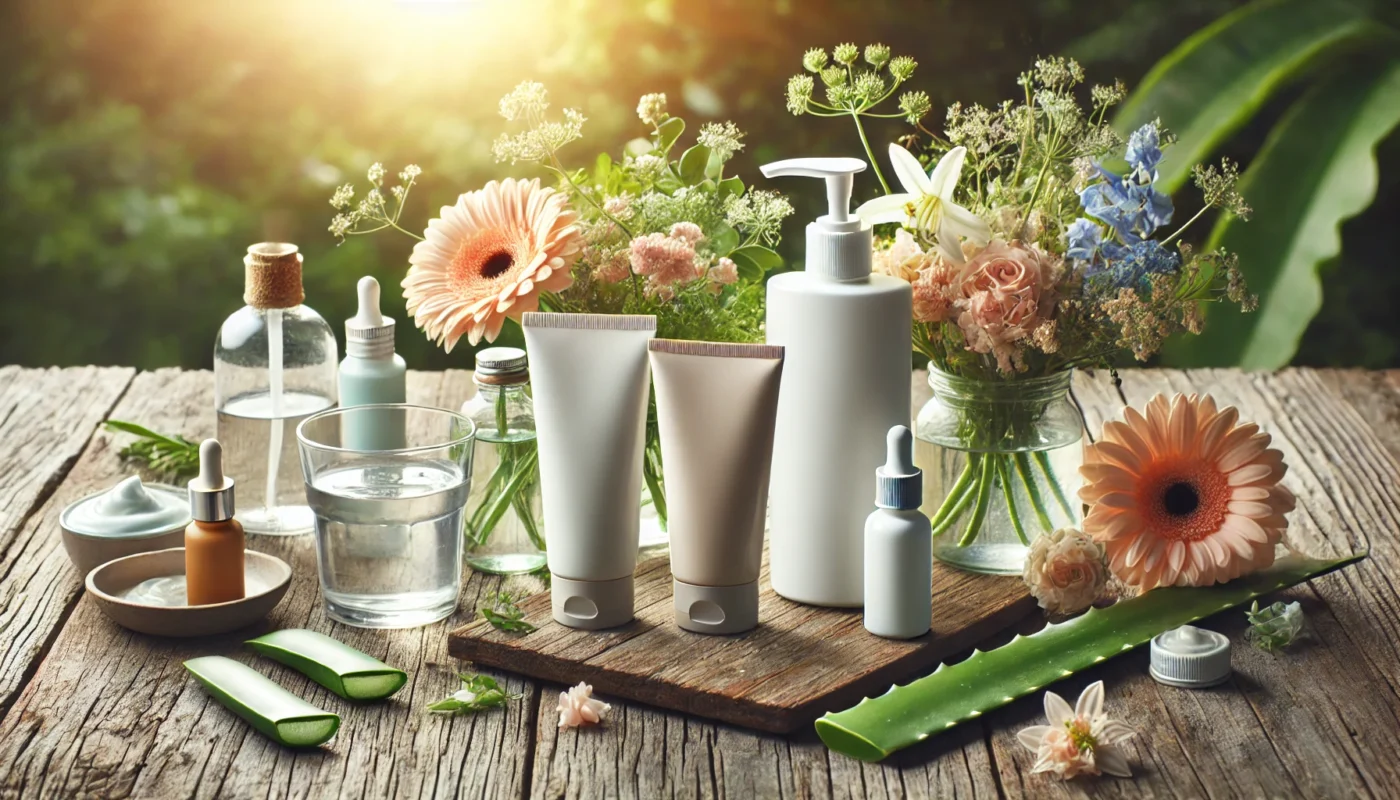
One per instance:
(1080, 740)
(578, 707)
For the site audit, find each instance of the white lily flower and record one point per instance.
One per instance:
(927, 203)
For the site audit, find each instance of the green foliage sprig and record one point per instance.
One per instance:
(171, 457)
(1274, 627)
(504, 614)
(478, 693)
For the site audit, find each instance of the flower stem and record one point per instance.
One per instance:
(984, 496)
(969, 491)
(578, 190)
(1004, 473)
(870, 153)
(954, 495)
(1023, 468)
(651, 472)
(1043, 461)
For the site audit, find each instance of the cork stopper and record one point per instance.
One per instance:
(272, 276)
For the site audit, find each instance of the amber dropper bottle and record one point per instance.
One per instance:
(214, 541)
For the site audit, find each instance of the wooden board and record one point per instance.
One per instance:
(800, 662)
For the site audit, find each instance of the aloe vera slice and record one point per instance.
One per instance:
(333, 664)
(905, 715)
(276, 712)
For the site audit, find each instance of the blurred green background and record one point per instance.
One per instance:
(147, 143)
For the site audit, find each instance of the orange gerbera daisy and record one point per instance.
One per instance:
(488, 258)
(1184, 495)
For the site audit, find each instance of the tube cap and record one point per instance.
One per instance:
(211, 493)
(1190, 657)
(369, 334)
(899, 484)
(715, 609)
(838, 244)
(591, 605)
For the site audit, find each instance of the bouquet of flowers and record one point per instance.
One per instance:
(645, 232)
(1037, 242)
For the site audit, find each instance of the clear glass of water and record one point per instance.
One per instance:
(388, 522)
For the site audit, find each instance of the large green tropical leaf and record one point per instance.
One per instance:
(1317, 169)
(1218, 78)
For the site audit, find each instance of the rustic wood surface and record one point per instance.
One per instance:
(799, 663)
(90, 710)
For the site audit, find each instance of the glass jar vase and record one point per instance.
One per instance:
(504, 529)
(1001, 466)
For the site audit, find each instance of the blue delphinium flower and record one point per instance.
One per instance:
(1131, 203)
(1127, 267)
(1082, 240)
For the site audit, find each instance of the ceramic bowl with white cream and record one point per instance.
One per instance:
(128, 518)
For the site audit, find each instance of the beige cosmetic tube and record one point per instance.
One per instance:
(716, 405)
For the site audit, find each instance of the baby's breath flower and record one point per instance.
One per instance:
(902, 68)
(799, 93)
(527, 98)
(846, 53)
(651, 109)
(877, 55)
(814, 60)
(410, 172)
(1218, 186)
(341, 223)
(342, 197)
(648, 167)
(1106, 96)
(869, 86)
(915, 106)
(1058, 72)
(723, 139)
(834, 76)
(398, 192)
(541, 141)
(375, 173)
(759, 213)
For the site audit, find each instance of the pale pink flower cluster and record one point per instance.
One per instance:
(1005, 292)
(1080, 740)
(1066, 571)
(578, 707)
(668, 260)
(724, 273)
(930, 277)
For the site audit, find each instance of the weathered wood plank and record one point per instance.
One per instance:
(47, 418)
(113, 714)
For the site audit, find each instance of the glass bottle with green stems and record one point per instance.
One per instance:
(1001, 466)
(503, 527)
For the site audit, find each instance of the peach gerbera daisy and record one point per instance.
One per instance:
(1184, 495)
(488, 258)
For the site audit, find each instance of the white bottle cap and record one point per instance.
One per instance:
(211, 493)
(838, 244)
(1190, 657)
(715, 609)
(369, 334)
(899, 484)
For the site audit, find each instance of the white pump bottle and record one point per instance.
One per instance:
(845, 384)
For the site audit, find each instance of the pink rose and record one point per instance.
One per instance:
(1006, 291)
(1066, 571)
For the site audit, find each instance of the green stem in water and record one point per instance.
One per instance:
(954, 495)
(969, 491)
(870, 153)
(1023, 468)
(984, 495)
(497, 506)
(1043, 460)
(521, 503)
(651, 472)
(475, 525)
(1004, 473)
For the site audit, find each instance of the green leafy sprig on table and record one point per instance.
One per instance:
(478, 693)
(170, 457)
(504, 614)
(1274, 627)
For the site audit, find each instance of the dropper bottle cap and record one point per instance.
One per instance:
(369, 334)
(899, 484)
(211, 493)
(838, 244)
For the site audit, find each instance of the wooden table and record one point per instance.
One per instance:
(90, 709)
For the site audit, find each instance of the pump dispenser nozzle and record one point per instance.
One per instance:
(369, 334)
(211, 493)
(838, 244)
(899, 484)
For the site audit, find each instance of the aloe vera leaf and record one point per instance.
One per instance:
(954, 495)
(906, 715)
(333, 664)
(984, 497)
(275, 712)
(1023, 468)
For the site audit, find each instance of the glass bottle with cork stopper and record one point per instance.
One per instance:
(274, 366)
(504, 529)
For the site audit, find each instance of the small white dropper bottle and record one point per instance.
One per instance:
(898, 546)
(372, 373)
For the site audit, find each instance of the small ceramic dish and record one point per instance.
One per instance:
(88, 550)
(265, 580)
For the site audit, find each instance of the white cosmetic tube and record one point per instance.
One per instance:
(716, 405)
(590, 376)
